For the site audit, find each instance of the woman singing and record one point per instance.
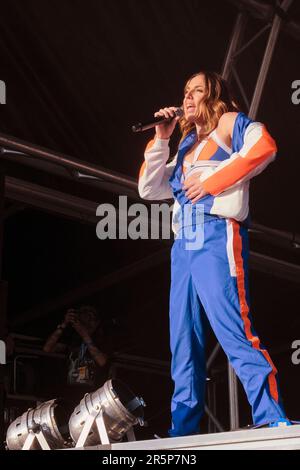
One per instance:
(221, 149)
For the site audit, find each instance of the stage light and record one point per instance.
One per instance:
(106, 415)
(44, 427)
(102, 417)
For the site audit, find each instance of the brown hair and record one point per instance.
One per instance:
(218, 99)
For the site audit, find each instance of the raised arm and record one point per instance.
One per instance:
(51, 342)
(155, 172)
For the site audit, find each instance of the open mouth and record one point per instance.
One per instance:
(190, 107)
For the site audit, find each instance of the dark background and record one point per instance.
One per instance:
(78, 75)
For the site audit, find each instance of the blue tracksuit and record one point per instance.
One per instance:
(209, 277)
(209, 284)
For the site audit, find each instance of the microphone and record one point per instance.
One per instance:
(139, 127)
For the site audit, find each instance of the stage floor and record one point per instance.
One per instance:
(281, 438)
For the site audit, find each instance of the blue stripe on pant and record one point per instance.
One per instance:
(204, 290)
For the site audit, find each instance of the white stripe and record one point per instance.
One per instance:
(199, 149)
(252, 135)
(220, 142)
(229, 248)
(201, 146)
(201, 164)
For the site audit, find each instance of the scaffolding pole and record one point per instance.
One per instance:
(235, 48)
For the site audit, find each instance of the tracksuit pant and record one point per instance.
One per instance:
(210, 286)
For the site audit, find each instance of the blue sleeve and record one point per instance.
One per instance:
(241, 123)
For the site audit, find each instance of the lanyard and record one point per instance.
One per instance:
(82, 351)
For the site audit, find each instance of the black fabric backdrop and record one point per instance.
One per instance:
(78, 75)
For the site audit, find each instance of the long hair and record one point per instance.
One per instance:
(218, 99)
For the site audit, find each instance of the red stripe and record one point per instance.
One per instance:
(244, 308)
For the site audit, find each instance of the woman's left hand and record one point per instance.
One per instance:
(194, 189)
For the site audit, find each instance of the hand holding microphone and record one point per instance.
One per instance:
(165, 129)
(164, 122)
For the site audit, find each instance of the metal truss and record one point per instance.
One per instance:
(13, 150)
(275, 17)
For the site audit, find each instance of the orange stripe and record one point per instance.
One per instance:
(241, 166)
(237, 249)
(150, 144)
(208, 150)
(143, 167)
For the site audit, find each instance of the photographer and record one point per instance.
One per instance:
(88, 351)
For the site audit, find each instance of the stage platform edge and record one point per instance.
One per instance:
(281, 438)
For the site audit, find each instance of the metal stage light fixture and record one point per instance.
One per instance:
(44, 427)
(106, 415)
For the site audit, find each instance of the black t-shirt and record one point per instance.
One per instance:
(84, 374)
